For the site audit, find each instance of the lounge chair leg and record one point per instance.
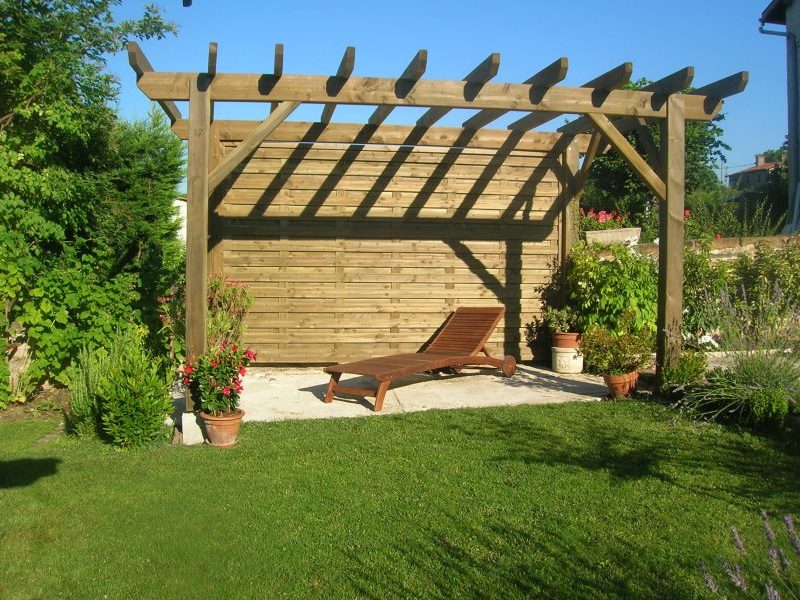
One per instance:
(383, 386)
(331, 385)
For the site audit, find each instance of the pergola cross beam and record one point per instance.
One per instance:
(413, 73)
(345, 70)
(477, 77)
(552, 74)
(613, 79)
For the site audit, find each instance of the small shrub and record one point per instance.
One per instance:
(616, 352)
(133, 393)
(560, 320)
(759, 389)
(83, 416)
(703, 284)
(228, 303)
(690, 370)
(604, 282)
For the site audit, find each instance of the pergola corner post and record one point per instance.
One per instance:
(671, 237)
(197, 219)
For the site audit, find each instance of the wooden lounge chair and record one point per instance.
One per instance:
(458, 343)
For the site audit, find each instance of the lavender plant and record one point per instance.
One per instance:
(761, 384)
(765, 571)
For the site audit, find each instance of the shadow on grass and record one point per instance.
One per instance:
(717, 466)
(502, 560)
(25, 471)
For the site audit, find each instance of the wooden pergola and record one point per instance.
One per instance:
(605, 114)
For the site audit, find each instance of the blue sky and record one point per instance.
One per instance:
(717, 37)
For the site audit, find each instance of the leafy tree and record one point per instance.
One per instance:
(612, 185)
(85, 209)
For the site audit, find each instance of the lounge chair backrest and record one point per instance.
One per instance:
(466, 331)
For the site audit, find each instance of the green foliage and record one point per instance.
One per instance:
(758, 389)
(604, 282)
(87, 231)
(690, 370)
(560, 320)
(133, 393)
(613, 186)
(84, 414)
(617, 352)
(703, 284)
(69, 308)
(5, 382)
(761, 385)
(216, 378)
(120, 393)
(758, 275)
(228, 303)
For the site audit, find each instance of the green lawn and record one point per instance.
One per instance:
(578, 500)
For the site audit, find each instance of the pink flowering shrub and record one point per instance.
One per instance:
(215, 378)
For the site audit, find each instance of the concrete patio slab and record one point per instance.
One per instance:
(275, 394)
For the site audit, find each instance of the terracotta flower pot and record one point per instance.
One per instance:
(566, 340)
(622, 386)
(223, 431)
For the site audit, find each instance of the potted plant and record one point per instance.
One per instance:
(215, 380)
(562, 323)
(617, 355)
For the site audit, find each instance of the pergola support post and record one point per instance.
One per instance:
(197, 220)
(671, 238)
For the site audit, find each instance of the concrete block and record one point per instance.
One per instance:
(191, 428)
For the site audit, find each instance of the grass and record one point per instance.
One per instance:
(577, 500)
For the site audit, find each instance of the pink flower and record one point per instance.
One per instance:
(223, 345)
(718, 235)
(242, 371)
(185, 381)
(250, 354)
(619, 218)
(687, 212)
(188, 369)
(226, 391)
(214, 364)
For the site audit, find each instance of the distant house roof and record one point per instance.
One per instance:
(767, 166)
(775, 12)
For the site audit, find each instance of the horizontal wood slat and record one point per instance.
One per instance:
(352, 254)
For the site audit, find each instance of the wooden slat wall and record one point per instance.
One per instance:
(362, 251)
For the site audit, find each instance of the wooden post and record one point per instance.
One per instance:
(214, 238)
(568, 226)
(197, 219)
(671, 238)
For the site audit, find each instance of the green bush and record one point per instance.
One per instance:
(604, 282)
(83, 416)
(690, 370)
(703, 284)
(121, 394)
(758, 389)
(617, 352)
(228, 302)
(758, 275)
(133, 393)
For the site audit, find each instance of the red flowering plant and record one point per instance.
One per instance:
(215, 378)
(593, 220)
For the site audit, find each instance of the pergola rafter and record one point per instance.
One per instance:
(604, 111)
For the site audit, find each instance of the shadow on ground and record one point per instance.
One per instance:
(25, 471)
